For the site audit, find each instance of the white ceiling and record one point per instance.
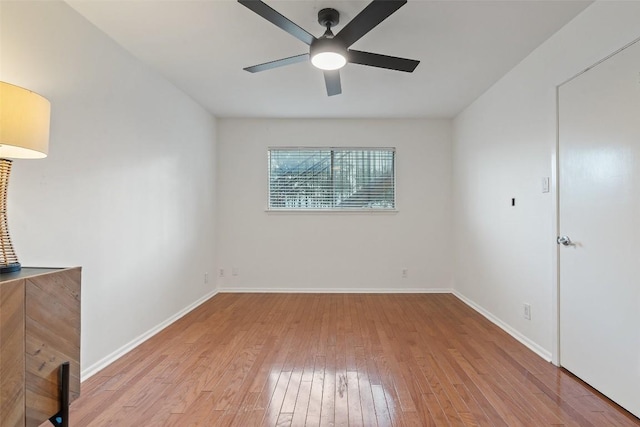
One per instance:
(201, 46)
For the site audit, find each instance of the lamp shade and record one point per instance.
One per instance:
(24, 123)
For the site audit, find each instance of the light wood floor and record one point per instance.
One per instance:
(358, 360)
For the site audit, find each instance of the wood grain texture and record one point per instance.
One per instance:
(39, 330)
(348, 360)
(12, 370)
(52, 338)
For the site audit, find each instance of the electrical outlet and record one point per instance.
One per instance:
(405, 273)
(206, 277)
(235, 271)
(221, 272)
(527, 311)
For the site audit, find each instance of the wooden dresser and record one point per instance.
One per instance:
(39, 330)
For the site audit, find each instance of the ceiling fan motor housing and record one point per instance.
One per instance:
(324, 44)
(328, 17)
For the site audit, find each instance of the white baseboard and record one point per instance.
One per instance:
(335, 291)
(107, 360)
(545, 354)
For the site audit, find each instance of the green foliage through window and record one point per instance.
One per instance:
(331, 178)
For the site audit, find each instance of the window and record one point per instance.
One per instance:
(331, 178)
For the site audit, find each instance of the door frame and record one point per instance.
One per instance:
(556, 358)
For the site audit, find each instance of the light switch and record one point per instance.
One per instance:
(545, 184)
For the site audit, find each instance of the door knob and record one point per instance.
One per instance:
(564, 240)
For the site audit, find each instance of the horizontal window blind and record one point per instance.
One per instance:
(331, 178)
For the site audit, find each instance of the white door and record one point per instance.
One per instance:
(599, 207)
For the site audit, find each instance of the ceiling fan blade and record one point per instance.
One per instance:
(376, 12)
(382, 61)
(332, 80)
(278, 63)
(276, 18)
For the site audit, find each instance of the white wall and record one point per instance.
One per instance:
(127, 191)
(503, 145)
(335, 251)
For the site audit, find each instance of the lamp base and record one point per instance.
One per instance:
(8, 259)
(10, 268)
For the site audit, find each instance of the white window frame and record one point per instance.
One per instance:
(338, 210)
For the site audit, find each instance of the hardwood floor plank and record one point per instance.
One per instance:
(291, 395)
(198, 412)
(284, 420)
(364, 388)
(341, 360)
(479, 417)
(329, 386)
(354, 400)
(383, 416)
(272, 412)
(232, 380)
(246, 409)
(315, 396)
(302, 404)
(91, 407)
(478, 396)
(341, 398)
(439, 392)
(435, 410)
(520, 383)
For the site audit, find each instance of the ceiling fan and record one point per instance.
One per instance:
(331, 52)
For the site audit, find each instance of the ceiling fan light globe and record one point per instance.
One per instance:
(328, 60)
